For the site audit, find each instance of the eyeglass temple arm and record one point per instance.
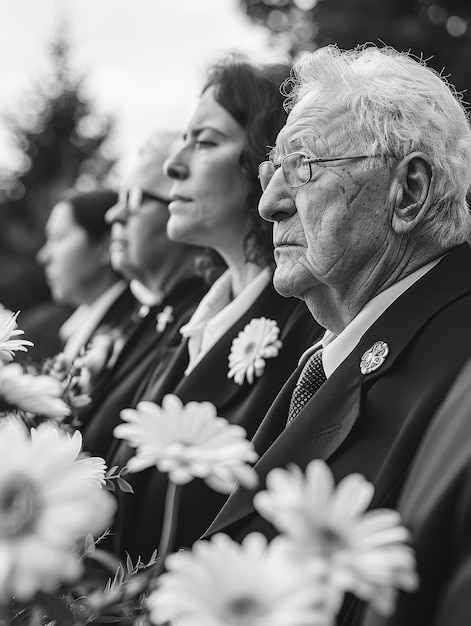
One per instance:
(341, 158)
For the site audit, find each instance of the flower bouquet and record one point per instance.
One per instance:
(55, 508)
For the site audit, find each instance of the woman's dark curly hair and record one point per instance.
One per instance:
(251, 94)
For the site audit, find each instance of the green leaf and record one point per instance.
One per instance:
(89, 544)
(56, 609)
(124, 485)
(129, 563)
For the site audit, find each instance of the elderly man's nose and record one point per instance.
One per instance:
(276, 204)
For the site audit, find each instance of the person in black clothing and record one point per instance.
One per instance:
(168, 290)
(215, 197)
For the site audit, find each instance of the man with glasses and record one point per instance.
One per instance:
(366, 189)
(162, 277)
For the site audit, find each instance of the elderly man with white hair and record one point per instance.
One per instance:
(366, 188)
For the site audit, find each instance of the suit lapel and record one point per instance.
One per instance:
(317, 432)
(218, 388)
(145, 340)
(137, 345)
(326, 420)
(448, 281)
(120, 312)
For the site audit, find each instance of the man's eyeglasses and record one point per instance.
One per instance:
(134, 198)
(297, 168)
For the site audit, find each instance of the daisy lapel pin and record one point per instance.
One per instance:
(257, 342)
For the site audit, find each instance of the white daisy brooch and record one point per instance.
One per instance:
(254, 344)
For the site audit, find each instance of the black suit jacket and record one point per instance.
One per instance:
(139, 518)
(372, 423)
(144, 350)
(435, 504)
(120, 313)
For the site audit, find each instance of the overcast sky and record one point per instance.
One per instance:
(144, 59)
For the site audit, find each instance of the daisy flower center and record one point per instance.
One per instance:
(250, 348)
(331, 541)
(244, 610)
(19, 506)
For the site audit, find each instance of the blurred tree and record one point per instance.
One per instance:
(437, 30)
(63, 142)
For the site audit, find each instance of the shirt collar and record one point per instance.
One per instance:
(146, 298)
(216, 313)
(338, 347)
(79, 327)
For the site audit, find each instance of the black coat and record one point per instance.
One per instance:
(435, 505)
(139, 518)
(144, 350)
(372, 423)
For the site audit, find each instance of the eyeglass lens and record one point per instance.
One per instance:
(134, 199)
(296, 169)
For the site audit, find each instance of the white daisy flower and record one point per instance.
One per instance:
(188, 442)
(257, 342)
(49, 502)
(8, 329)
(364, 552)
(223, 583)
(91, 467)
(36, 394)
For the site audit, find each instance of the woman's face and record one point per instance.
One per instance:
(72, 263)
(140, 246)
(209, 190)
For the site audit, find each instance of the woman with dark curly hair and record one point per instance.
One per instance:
(246, 93)
(244, 339)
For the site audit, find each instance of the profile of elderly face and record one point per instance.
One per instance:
(329, 217)
(367, 178)
(139, 244)
(75, 255)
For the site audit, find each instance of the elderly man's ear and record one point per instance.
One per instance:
(410, 192)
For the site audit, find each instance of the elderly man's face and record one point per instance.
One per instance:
(337, 224)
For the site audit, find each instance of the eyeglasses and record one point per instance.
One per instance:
(297, 168)
(134, 198)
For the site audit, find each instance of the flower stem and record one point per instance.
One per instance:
(169, 527)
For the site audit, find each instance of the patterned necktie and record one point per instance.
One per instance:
(311, 378)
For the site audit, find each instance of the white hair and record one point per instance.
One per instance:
(399, 105)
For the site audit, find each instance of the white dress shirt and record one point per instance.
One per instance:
(217, 312)
(80, 326)
(338, 347)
